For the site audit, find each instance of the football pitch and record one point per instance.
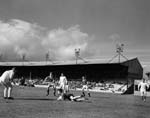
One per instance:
(33, 103)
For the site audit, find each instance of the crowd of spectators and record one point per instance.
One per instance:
(73, 84)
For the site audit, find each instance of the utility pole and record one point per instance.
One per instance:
(23, 57)
(47, 56)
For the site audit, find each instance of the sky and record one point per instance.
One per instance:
(36, 27)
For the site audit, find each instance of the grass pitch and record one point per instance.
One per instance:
(33, 103)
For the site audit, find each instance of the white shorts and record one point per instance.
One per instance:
(67, 88)
(143, 93)
(62, 86)
(85, 87)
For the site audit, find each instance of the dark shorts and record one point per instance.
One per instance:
(67, 96)
(60, 90)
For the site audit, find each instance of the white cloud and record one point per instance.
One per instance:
(19, 37)
(115, 38)
(64, 42)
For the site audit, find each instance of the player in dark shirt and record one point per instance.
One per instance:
(85, 86)
(68, 96)
(52, 84)
(71, 97)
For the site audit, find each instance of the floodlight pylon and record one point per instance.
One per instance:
(119, 51)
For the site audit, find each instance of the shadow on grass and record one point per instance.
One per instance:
(44, 99)
(142, 105)
(86, 101)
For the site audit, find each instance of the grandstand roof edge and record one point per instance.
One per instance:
(44, 63)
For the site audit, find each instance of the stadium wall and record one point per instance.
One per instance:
(135, 70)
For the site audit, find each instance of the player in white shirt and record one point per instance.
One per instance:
(142, 86)
(6, 80)
(63, 82)
(62, 85)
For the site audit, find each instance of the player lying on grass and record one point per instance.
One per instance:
(71, 97)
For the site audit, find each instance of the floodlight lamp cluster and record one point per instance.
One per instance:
(119, 48)
(77, 52)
